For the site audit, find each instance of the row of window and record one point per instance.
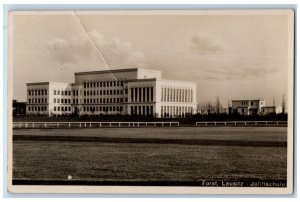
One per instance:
(37, 108)
(141, 110)
(103, 100)
(62, 108)
(104, 92)
(37, 92)
(141, 94)
(65, 92)
(65, 101)
(102, 84)
(171, 111)
(246, 103)
(103, 109)
(176, 95)
(37, 100)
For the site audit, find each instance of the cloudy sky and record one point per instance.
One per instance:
(232, 56)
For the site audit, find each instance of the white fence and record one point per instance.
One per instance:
(242, 123)
(91, 124)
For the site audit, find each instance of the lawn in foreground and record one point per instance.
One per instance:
(133, 162)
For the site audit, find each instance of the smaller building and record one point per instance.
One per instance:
(19, 108)
(266, 110)
(248, 107)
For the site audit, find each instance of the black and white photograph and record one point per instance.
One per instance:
(151, 101)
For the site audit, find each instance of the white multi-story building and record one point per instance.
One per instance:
(247, 107)
(124, 91)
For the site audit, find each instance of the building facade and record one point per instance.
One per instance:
(248, 107)
(125, 91)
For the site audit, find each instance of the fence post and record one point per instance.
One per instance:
(90, 124)
(109, 124)
(245, 123)
(32, 125)
(26, 125)
(45, 125)
(69, 124)
(19, 125)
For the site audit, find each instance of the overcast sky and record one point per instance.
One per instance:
(240, 56)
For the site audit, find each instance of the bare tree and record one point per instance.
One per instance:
(218, 105)
(283, 104)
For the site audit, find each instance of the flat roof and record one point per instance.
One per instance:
(248, 100)
(157, 79)
(140, 80)
(114, 71)
(37, 83)
(45, 83)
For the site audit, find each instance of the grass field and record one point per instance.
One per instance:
(109, 161)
